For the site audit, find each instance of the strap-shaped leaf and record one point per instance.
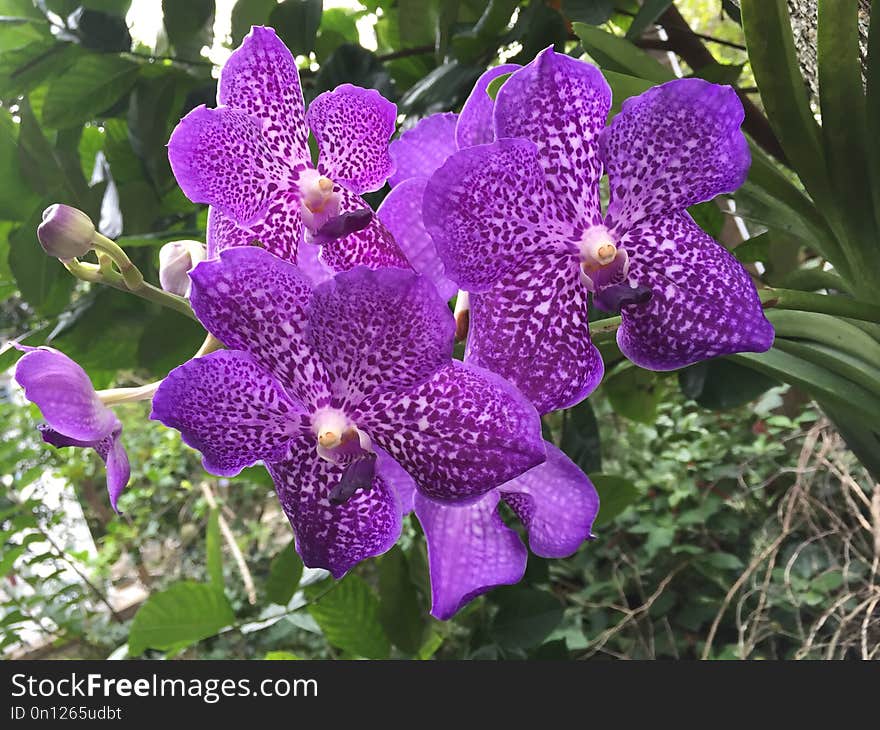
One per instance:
(821, 383)
(774, 61)
(618, 54)
(844, 133)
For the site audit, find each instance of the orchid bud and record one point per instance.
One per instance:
(65, 232)
(176, 260)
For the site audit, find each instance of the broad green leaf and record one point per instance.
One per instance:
(471, 44)
(296, 22)
(182, 614)
(775, 64)
(619, 54)
(246, 13)
(842, 363)
(24, 69)
(593, 12)
(168, 339)
(623, 86)
(580, 437)
(647, 16)
(721, 384)
(214, 551)
(285, 572)
(42, 280)
(338, 27)
(634, 393)
(863, 440)
(721, 73)
(615, 495)
(349, 617)
(417, 22)
(445, 87)
(538, 26)
(399, 609)
(709, 217)
(16, 199)
(525, 617)
(872, 111)
(189, 25)
(91, 86)
(495, 86)
(353, 64)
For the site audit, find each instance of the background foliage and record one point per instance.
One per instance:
(735, 520)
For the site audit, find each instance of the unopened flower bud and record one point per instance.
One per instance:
(176, 260)
(65, 232)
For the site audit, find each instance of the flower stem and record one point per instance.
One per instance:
(823, 303)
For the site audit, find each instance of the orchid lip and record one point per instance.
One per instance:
(338, 437)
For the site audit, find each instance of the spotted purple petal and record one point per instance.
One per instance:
(459, 434)
(352, 127)
(379, 330)
(374, 246)
(470, 551)
(333, 536)
(394, 475)
(308, 262)
(221, 157)
(486, 208)
(401, 213)
(230, 409)
(556, 502)
(703, 302)
(261, 79)
(421, 150)
(475, 124)
(560, 104)
(253, 301)
(674, 145)
(532, 329)
(64, 394)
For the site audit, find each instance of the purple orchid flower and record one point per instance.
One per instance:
(75, 415)
(249, 160)
(471, 550)
(417, 154)
(342, 390)
(517, 222)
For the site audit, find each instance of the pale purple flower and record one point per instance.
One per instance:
(176, 260)
(517, 222)
(249, 160)
(75, 415)
(342, 390)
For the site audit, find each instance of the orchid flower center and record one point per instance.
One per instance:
(338, 437)
(318, 200)
(597, 249)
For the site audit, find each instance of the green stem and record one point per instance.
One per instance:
(823, 303)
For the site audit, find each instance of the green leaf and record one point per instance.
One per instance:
(775, 64)
(91, 86)
(720, 73)
(297, 22)
(43, 282)
(285, 572)
(446, 87)
(399, 609)
(623, 86)
(647, 16)
(580, 437)
(720, 384)
(16, 199)
(247, 13)
(826, 329)
(525, 618)
(168, 339)
(844, 133)
(182, 614)
(816, 380)
(417, 21)
(593, 12)
(634, 393)
(619, 54)
(495, 86)
(537, 27)
(338, 27)
(615, 495)
(189, 25)
(349, 618)
(354, 65)
(754, 249)
(213, 550)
